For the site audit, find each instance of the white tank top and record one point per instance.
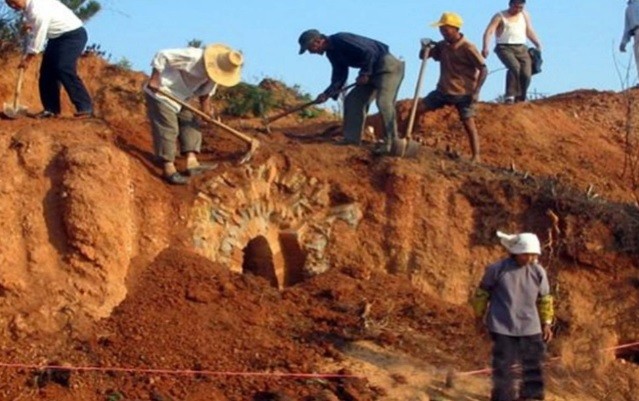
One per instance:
(512, 31)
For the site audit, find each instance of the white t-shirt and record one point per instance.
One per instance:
(48, 19)
(182, 74)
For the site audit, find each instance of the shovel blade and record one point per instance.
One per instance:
(403, 147)
(13, 112)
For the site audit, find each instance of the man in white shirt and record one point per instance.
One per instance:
(512, 27)
(186, 73)
(53, 23)
(631, 23)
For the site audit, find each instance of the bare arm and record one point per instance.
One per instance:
(530, 32)
(481, 78)
(488, 34)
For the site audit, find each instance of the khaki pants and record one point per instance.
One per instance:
(517, 61)
(383, 87)
(168, 127)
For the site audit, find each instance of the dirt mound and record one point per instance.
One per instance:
(313, 259)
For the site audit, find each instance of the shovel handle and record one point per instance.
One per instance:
(302, 106)
(290, 111)
(418, 88)
(205, 117)
(16, 95)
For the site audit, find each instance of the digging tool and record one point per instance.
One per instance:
(254, 143)
(268, 121)
(406, 146)
(14, 110)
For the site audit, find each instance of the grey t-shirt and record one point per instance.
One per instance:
(514, 291)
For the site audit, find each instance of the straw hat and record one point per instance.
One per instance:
(223, 64)
(518, 244)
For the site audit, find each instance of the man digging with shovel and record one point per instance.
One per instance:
(183, 74)
(462, 74)
(52, 22)
(380, 75)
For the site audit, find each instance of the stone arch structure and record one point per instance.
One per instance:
(270, 221)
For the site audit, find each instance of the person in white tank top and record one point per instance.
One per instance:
(512, 28)
(631, 23)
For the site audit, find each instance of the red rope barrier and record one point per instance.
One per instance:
(184, 372)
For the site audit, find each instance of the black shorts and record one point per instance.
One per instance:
(464, 104)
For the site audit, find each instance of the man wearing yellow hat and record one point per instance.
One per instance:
(185, 74)
(462, 74)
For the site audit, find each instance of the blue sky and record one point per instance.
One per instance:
(580, 38)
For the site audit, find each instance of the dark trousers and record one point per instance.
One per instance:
(528, 352)
(59, 67)
(517, 61)
(384, 87)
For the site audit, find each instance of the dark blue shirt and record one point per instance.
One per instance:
(349, 50)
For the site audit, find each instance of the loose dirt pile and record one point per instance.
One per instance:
(316, 272)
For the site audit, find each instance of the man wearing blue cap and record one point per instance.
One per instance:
(379, 78)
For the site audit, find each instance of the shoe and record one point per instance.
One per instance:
(202, 168)
(346, 142)
(176, 179)
(509, 100)
(382, 149)
(84, 114)
(44, 114)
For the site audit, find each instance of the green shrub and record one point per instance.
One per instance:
(244, 100)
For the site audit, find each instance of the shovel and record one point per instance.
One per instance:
(406, 146)
(268, 121)
(14, 110)
(253, 143)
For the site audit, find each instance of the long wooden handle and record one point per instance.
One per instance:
(418, 88)
(290, 111)
(16, 96)
(302, 106)
(203, 115)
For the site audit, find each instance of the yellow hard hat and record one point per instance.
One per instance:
(450, 19)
